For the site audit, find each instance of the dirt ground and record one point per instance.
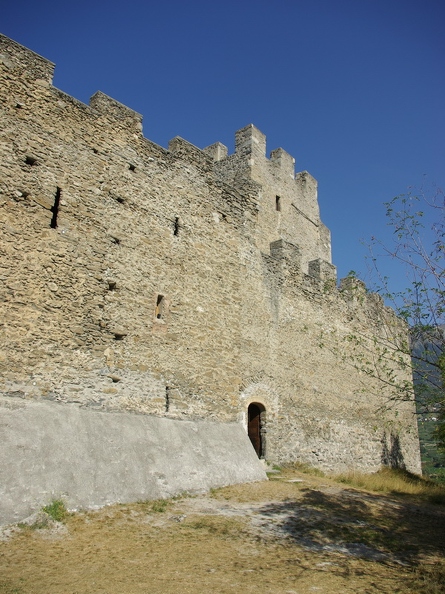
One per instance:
(294, 534)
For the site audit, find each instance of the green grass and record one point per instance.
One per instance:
(160, 505)
(433, 460)
(35, 526)
(56, 510)
(386, 480)
(6, 588)
(305, 468)
(215, 525)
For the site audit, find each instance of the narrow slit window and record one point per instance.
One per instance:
(278, 203)
(55, 209)
(160, 305)
(176, 227)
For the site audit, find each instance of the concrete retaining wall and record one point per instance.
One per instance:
(91, 458)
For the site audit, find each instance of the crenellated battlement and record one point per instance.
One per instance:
(175, 282)
(250, 151)
(288, 203)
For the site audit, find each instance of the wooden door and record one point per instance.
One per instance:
(254, 427)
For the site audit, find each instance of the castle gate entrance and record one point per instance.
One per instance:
(255, 427)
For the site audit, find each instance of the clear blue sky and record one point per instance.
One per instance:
(353, 89)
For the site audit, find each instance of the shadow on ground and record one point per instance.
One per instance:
(358, 524)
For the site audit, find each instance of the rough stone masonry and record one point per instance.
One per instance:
(149, 284)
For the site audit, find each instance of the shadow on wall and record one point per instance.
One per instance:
(392, 453)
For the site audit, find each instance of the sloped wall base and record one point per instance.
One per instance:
(91, 459)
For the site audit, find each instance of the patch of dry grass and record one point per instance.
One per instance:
(430, 579)
(396, 482)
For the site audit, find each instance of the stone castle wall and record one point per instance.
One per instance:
(181, 283)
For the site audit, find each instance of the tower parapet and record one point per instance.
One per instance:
(288, 206)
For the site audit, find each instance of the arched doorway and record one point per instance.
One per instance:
(256, 427)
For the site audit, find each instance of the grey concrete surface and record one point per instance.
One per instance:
(92, 459)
